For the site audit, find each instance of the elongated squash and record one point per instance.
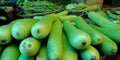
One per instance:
(42, 54)
(55, 42)
(96, 38)
(11, 52)
(78, 39)
(5, 33)
(102, 21)
(91, 53)
(108, 46)
(23, 57)
(69, 17)
(21, 29)
(114, 34)
(42, 28)
(63, 13)
(69, 51)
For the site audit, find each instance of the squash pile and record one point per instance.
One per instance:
(59, 37)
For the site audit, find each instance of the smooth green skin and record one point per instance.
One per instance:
(42, 54)
(21, 29)
(102, 21)
(23, 57)
(96, 38)
(5, 35)
(42, 28)
(102, 13)
(114, 34)
(91, 53)
(29, 46)
(69, 52)
(55, 42)
(76, 36)
(63, 13)
(69, 17)
(11, 52)
(108, 46)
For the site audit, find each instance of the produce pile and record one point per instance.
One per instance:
(59, 36)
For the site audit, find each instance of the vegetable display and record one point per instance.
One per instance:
(61, 36)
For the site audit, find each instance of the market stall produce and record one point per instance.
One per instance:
(77, 31)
